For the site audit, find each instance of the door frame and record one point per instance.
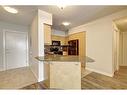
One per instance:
(4, 45)
(116, 50)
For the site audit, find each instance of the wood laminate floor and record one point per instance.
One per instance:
(97, 81)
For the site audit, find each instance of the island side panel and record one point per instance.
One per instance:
(65, 75)
(46, 74)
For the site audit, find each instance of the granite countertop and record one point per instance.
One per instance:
(64, 58)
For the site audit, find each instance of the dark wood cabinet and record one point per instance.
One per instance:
(73, 48)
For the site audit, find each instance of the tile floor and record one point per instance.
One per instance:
(22, 78)
(16, 78)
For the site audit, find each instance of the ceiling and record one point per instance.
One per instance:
(76, 15)
(121, 24)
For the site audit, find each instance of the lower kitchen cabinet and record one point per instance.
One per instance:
(65, 75)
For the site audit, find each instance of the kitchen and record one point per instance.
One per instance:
(54, 44)
(62, 56)
(61, 45)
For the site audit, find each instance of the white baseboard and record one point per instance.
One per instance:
(38, 79)
(34, 74)
(97, 71)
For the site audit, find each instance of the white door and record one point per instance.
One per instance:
(15, 50)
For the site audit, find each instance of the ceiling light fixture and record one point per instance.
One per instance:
(10, 10)
(66, 23)
(61, 6)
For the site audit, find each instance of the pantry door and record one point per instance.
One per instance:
(15, 49)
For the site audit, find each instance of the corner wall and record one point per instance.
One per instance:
(34, 47)
(99, 42)
(37, 42)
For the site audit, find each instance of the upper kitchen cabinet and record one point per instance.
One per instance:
(47, 34)
(45, 23)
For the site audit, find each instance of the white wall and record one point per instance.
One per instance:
(99, 42)
(37, 43)
(34, 47)
(15, 27)
(43, 18)
(58, 32)
(9, 26)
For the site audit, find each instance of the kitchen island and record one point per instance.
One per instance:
(62, 72)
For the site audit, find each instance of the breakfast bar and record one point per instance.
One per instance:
(62, 72)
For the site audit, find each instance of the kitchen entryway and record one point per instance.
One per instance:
(120, 43)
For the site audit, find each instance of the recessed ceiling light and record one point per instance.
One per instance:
(66, 23)
(10, 10)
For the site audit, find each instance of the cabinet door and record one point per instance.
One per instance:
(65, 75)
(47, 34)
(73, 47)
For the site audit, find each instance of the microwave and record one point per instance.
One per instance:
(56, 43)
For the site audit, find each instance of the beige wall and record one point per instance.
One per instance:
(99, 42)
(99, 37)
